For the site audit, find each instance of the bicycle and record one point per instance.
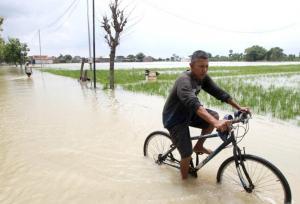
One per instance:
(254, 174)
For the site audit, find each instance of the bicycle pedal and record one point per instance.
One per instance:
(193, 173)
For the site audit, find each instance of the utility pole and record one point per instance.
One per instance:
(40, 47)
(89, 35)
(94, 51)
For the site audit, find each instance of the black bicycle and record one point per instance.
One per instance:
(240, 172)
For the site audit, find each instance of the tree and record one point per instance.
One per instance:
(140, 57)
(2, 47)
(291, 57)
(275, 54)
(68, 58)
(174, 58)
(131, 58)
(117, 22)
(236, 57)
(1, 22)
(230, 53)
(24, 52)
(15, 52)
(255, 53)
(1, 42)
(60, 59)
(219, 58)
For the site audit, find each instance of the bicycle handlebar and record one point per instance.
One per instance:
(239, 116)
(242, 117)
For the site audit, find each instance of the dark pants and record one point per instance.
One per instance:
(180, 133)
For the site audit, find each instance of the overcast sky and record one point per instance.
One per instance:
(156, 27)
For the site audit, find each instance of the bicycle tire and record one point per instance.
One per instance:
(264, 175)
(158, 143)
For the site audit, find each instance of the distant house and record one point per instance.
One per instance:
(102, 59)
(41, 59)
(76, 59)
(120, 59)
(148, 59)
(185, 59)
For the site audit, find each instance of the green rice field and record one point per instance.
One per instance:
(269, 90)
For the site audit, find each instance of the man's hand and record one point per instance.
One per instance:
(238, 107)
(245, 109)
(222, 125)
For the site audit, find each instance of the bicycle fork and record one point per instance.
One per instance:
(241, 169)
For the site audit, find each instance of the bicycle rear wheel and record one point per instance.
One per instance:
(269, 184)
(157, 144)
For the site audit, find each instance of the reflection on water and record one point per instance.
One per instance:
(63, 142)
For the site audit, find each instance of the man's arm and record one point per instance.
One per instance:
(237, 106)
(234, 104)
(221, 125)
(213, 89)
(210, 87)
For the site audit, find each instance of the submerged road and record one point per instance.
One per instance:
(62, 142)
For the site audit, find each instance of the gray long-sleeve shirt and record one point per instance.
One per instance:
(182, 101)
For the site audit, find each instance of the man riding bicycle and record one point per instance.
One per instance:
(183, 109)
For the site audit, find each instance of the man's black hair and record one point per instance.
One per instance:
(199, 54)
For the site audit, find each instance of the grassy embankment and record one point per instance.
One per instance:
(279, 101)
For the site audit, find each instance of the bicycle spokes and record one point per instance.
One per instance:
(257, 177)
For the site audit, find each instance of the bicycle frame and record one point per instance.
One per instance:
(242, 172)
(247, 183)
(230, 139)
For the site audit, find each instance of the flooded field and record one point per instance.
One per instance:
(62, 142)
(277, 80)
(136, 65)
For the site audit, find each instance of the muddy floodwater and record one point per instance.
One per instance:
(62, 142)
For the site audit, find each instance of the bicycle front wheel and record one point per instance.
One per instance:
(159, 143)
(268, 183)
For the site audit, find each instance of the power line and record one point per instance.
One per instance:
(59, 18)
(130, 29)
(217, 27)
(54, 26)
(62, 15)
(71, 6)
(33, 35)
(66, 18)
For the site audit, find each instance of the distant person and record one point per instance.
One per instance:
(183, 109)
(28, 69)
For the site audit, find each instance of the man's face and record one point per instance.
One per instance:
(199, 68)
